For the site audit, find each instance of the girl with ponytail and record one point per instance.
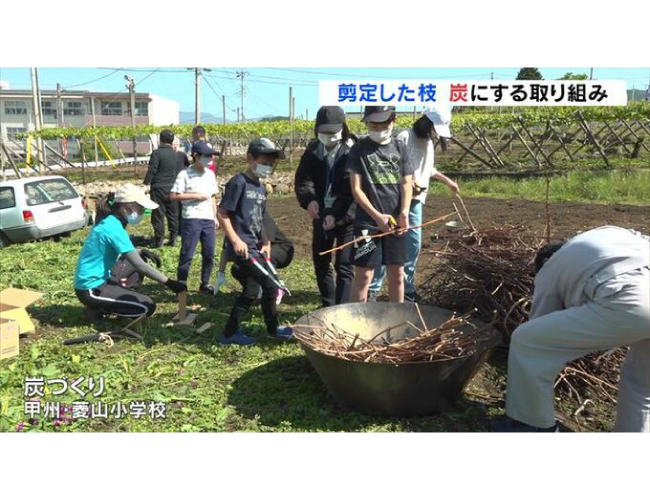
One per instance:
(108, 240)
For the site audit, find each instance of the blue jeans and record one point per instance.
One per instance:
(413, 243)
(193, 230)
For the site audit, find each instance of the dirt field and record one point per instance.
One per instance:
(488, 387)
(566, 218)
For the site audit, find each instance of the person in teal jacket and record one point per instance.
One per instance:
(94, 286)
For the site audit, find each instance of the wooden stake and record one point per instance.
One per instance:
(585, 127)
(530, 151)
(532, 138)
(618, 139)
(470, 152)
(119, 149)
(483, 144)
(11, 160)
(562, 143)
(634, 134)
(182, 306)
(471, 146)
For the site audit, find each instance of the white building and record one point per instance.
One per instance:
(81, 109)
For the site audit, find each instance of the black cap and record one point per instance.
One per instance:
(202, 148)
(377, 114)
(330, 119)
(264, 146)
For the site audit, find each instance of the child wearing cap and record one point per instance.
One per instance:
(380, 176)
(198, 135)
(323, 189)
(418, 142)
(241, 214)
(196, 189)
(107, 241)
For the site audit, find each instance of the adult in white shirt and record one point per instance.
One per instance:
(591, 294)
(419, 142)
(196, 189)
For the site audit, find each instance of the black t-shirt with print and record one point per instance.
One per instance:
(245, 198)
(382, 167)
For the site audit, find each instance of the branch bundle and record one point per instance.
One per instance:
(455, 338)
(491, 271)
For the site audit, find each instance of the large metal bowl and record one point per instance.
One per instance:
(408, 389)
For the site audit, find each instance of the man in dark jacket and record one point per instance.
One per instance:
(163, 168)
(323, 189)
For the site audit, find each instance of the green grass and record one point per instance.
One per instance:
(619, 187)
(267, 387)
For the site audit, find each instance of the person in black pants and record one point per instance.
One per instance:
(282, 251)
(241, 214)
(323, 189)
(98, 276)
(163, 169)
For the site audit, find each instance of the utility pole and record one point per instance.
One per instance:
(238, 115)
(92, 114)
(38, 118)
(307, 114)
(223, 108)
(131, 86)
(292, 102)
(591, 73)
(59, 114)
(197, 93)
(241, 74)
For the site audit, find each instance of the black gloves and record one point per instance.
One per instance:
(149, 255)
(176, 286)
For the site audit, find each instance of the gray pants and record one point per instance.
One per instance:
(617, 313)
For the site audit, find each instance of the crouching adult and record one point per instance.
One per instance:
(591, 294)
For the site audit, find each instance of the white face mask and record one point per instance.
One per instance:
(381, 136)
(330, 139)
(262, 170)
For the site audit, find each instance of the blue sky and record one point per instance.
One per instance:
(267, 89)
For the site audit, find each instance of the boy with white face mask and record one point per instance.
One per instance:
(323, 190)
(241, 214)
(196, 189)
(381, 181)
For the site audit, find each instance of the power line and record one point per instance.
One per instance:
(223, 92)
(264, 103)
(373, 76)
(91, 81)
(179, 70)
(117, 94)
(217, 95)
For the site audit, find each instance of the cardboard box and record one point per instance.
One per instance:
(12, 306)
(9, 345)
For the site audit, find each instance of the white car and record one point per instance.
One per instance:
(34, 208)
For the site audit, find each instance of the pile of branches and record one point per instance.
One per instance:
(491, 272)
(455, 338)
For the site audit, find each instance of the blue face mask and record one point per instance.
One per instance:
(134, 218)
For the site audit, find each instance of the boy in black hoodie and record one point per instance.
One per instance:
(323, 189)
